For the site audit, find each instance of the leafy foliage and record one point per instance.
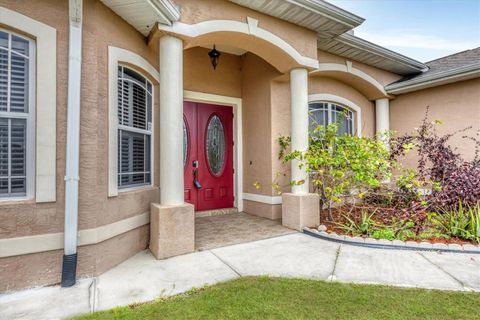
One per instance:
(450, 178)
(462, 222)
(340, 167)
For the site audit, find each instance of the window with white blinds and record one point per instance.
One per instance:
(16, 115)
(324, 113)
(134, 129)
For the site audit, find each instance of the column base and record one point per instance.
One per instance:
(172, 230)
(300, 210)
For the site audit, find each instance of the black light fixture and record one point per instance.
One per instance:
(214, 56)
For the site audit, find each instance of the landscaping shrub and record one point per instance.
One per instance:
(440, 199)
(450, 178)
(340, 167)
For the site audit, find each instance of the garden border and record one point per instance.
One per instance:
(392, 245)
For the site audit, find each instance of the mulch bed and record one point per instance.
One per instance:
(339, 218)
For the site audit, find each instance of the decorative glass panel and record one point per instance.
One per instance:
(215, 145)
(185, 143)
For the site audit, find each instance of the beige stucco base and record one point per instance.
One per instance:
(264, 210)
(300, 210)
(172, 230)
(45, 268)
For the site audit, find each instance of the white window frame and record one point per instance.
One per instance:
(45, 99)
(330, 113)
(29, 116)
(344, 102)
(138, 130)
(117, 56)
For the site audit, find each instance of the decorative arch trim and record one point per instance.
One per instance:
(249, 28)
(348, 68)
(319, 97)
(46, 99)
(117, 56)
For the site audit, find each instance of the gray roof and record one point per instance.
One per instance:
(454, 61)
(456, 67)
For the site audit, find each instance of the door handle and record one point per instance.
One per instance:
(196, 183)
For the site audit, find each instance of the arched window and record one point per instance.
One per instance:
(17, 116)
(134, 129)
(324, 113)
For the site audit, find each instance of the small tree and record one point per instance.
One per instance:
(340, 167)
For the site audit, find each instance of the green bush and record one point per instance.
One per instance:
(340, 167)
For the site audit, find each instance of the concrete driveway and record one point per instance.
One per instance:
(142, 278)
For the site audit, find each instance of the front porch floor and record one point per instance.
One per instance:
(223, 230)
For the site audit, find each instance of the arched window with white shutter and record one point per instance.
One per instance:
(17, 116)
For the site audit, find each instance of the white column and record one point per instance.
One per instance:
(171, 121)
(299, 124)
(382, 115)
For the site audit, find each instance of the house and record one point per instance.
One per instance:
(121, 119)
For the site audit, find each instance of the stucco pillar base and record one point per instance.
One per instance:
(172, 230)
(300, 210)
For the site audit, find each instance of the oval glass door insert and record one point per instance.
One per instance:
(215, 145)
(185, 143)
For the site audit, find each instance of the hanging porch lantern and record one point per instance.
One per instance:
(214, 55)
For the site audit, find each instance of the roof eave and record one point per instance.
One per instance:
(166, 9)
(440, 78)
(412, 64)
(326, 9)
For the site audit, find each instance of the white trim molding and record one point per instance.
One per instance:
(343, 101)
(249, 28)
(10, 247)
(46, 103)
(349, 68)
(262, 198)
(236, 103)
(117, 56)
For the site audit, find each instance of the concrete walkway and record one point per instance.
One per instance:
(142, 278)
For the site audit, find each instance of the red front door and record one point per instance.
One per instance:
(208, 155)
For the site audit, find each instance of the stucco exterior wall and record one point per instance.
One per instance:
(382, 76)
(198, 74)
(456, 104)
(300, 38)
(20, 218)
(101, 28)
(257, 126)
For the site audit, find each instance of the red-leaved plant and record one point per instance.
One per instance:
(439, 163)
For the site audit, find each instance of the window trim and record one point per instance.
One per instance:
(116, 57)
(30, 169)
(330, 98)
(45, 98)
(150, 132)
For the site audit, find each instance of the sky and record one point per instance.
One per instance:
(420, 29)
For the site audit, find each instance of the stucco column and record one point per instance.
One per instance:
(382, 115)
(171, 121)
(299, 209)
(172, 222)
(299, 124)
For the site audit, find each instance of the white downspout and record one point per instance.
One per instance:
(69, 268)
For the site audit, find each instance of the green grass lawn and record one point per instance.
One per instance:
(279, 298)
